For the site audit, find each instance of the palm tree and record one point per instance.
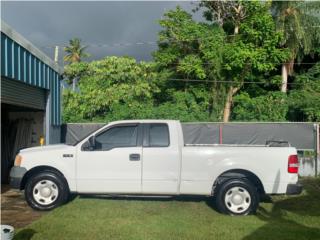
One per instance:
(75, 52)
(299, 22)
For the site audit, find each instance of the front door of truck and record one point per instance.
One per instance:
(113, 165)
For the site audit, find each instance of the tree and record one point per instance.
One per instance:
(261, 108)
(75, 52)
(299, 21)
(223, 12)
(192, 50)
(304, 98)
(110, 88)
(210, 52)
(256, 50)
(120, 88)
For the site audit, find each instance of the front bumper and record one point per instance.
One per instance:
(16, 175)
(294, 189)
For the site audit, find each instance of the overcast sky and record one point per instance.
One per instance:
(47, 24)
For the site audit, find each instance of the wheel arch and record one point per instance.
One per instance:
(239, 173)
(38, 169)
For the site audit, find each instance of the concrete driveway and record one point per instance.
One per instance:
(14, 209)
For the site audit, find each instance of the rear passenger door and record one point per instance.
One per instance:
(160, 167)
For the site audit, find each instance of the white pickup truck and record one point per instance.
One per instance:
(149, 157)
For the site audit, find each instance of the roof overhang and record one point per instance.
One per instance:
(19, 39)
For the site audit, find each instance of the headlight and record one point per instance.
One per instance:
(17, 161)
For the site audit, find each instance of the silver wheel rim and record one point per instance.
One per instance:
(45, 192)
(237, 200)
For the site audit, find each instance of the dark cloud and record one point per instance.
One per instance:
(47, 24)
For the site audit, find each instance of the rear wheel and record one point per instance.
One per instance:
(237, 197)
(46, 190)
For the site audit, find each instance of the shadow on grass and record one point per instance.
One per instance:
(278, 223)
(72, 196)
(25, 234)
(184, 198)
(210, 201)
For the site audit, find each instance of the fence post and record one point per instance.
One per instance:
(220, 133)
(317, 149)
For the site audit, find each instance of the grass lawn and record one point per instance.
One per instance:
(296, 217)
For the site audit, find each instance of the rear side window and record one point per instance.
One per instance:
(159, 135)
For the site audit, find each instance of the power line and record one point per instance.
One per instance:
(222, 81)
(107, 45)
(176, 64)
(119, 44)
(124, 44)
(208, 63)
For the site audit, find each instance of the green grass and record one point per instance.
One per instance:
(282, 218)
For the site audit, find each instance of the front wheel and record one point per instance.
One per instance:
(237, 197)
(46, 190)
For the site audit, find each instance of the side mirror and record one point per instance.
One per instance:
(92, 142)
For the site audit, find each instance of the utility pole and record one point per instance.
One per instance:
(56, 54)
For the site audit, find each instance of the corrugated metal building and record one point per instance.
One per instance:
(30, 97)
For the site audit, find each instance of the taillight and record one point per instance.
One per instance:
(293, 164)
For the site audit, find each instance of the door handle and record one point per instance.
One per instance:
(134, 157)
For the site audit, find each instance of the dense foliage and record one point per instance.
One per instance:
(305, 97)
(225, 67)
(109, 89)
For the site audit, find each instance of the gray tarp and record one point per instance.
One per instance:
(299, 135)
(200, 133)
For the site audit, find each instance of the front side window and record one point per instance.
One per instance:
(120, 136)
(159, 135)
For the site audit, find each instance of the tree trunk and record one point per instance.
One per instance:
(232, 90)
(228, 103)
(236, 30)
(287, 70)
(284, 75)
(74, 84)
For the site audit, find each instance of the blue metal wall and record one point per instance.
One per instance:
(19, 64)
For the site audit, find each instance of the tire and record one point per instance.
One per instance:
(46, 190)
(237, 197)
